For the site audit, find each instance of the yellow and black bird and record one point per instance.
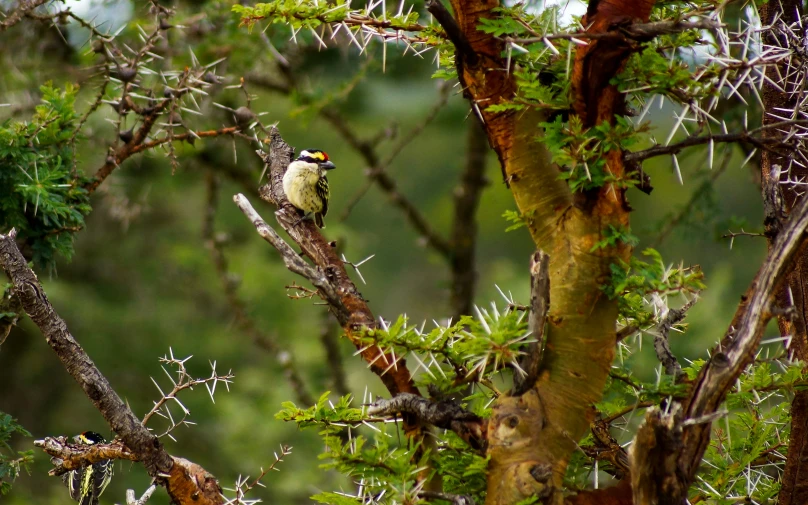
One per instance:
(306, 185)
(87, 483)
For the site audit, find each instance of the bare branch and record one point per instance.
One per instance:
(661, 343)
(74, 456)
(131, 499)
(21, 11)
(636, 31)
(539, 306)
(291, 259)
(653, 458)
(737, 348)
(445, 414)
(169, 471)
(464, 226)
(238, 308)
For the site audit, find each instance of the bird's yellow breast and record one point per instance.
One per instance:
(299, 184)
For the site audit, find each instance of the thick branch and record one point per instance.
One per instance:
(453, 30)
(185, 483)
(738, 347)
(74, 456)
(444, 414)
(653, 459)
(784, 32)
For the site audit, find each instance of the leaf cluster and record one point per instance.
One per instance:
(388, 470)
(41, 195)
(583, 151)
(11, 462)
(631, 283)
(472, 350)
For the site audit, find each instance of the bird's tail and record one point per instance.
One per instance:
(318, 220)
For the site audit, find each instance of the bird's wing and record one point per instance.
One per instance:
(102, 474)
(322, 192)
(73, 481)
(86, 486)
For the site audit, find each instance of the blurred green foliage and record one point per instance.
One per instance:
(12, 462)
(142, 281)
(59, 202)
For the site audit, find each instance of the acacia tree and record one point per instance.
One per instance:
(501, 406)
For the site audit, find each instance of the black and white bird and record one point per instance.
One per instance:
(306, 185)
(87, 483)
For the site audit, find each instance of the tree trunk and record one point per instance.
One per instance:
(794, 488)
(532, 436)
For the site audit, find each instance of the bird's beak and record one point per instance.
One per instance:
(327, 165)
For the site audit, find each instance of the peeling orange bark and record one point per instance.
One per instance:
(594, 99)
(531, 437)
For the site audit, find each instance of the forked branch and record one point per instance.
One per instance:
(187, 483)
(671, 444)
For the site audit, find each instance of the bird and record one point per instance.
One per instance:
(306, 185)
(87, 483)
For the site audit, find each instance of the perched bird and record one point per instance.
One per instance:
(306, 185)
(87, 483)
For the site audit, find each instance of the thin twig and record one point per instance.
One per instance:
(169, 471)
(237, 306)
(464, 225)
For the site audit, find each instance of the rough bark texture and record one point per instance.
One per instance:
(537, 321)
(654, 477)
(74, 456)
(794, 484)
(737, 348)
(594, 99)
(77, 363)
